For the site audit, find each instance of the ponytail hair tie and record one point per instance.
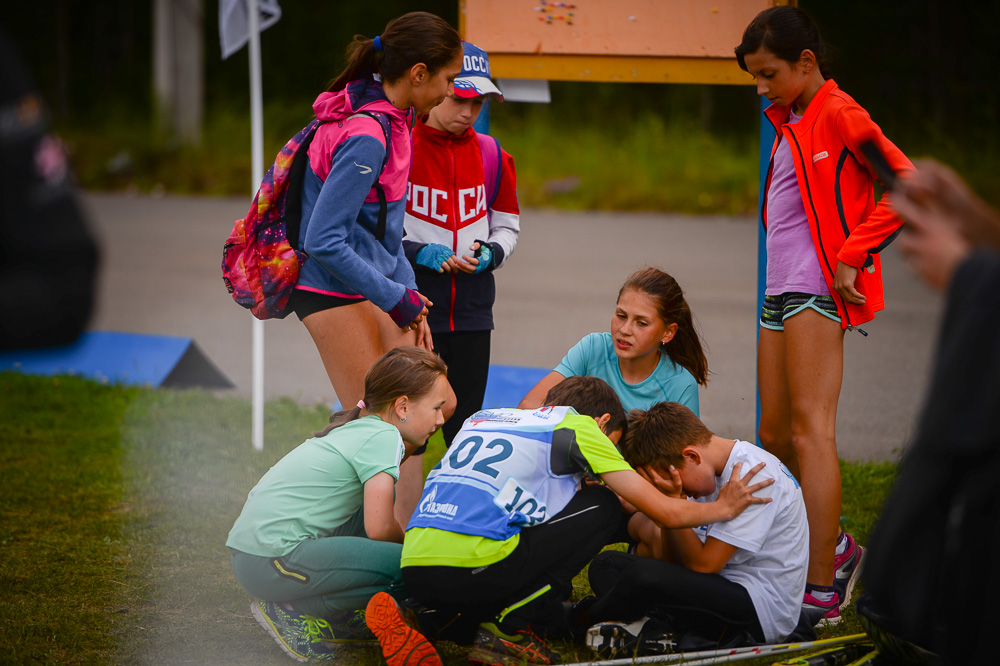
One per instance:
(361, 403)
(377, 43)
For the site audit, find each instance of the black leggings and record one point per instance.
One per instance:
(467, 355)
(629, 587)
(548, 554)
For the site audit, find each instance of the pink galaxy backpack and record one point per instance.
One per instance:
(261, 259)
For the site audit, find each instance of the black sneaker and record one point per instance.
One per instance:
(349, 628)
(643, 637)
(493, 647)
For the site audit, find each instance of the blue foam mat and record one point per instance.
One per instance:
(505, 387)
(126, 358)
(507, 384)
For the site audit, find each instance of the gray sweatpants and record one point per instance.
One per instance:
(320, 577)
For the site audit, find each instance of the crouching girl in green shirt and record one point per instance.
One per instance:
(317, 536)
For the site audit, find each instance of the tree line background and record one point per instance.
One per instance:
(924, 69)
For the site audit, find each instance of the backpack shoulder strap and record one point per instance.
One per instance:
(296, 178)
(384, 122)
(492, 167)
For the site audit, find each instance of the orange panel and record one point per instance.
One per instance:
(655, 28)
(624, 69)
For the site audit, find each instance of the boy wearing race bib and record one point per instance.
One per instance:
(504, 525)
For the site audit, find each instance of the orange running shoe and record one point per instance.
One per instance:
(401, 641)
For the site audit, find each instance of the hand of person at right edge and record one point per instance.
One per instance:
(944, 219)
(738, 494)
(936, 195)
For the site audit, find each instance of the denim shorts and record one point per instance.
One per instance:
(777, 309)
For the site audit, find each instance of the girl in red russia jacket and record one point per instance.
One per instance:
(824, 233)
(462, 222)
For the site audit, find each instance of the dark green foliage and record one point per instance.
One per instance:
(923, 69)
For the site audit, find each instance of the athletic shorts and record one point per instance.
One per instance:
(304, 303)
(777, 309)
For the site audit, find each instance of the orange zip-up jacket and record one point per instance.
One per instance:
(836, 188)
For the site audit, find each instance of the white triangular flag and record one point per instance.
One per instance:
(234, 24)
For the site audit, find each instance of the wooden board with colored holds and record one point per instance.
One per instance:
(611, 40)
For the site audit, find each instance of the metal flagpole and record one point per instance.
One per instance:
(257, 168)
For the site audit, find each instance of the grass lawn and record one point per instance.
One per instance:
(116, 504)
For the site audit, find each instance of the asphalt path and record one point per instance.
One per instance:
(161, 275)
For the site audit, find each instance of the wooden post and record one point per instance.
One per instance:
(178, 67)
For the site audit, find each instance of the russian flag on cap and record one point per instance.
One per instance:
(475, 79)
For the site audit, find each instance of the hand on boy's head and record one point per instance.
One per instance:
(668, 483)
(738, 494)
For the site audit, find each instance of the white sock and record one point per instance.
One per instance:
(841, 544)
(821, 594)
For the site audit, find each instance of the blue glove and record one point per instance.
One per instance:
(433, 255)
(485, 256)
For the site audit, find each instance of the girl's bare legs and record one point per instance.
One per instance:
(800, 372)
(411, 473)
(775, 429)
(349, 343)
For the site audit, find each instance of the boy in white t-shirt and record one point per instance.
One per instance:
(736, 581)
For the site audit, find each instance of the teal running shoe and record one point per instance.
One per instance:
(302, 637)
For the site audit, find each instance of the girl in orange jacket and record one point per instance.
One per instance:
(824, 232)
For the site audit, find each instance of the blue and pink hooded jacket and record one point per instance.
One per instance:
(340, 207)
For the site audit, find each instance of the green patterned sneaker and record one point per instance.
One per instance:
(302, 637)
